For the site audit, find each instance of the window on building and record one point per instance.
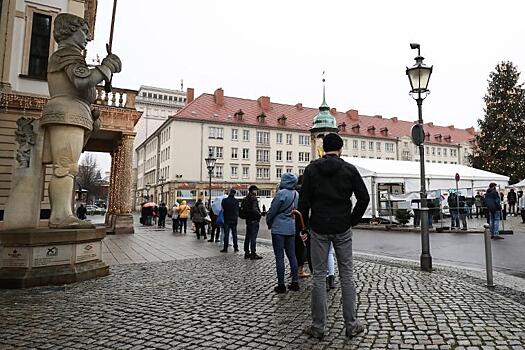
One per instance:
(378, 146)
(439, 151)
(263, 138)
(245, 172)
(279, 138)
(245, 153)
(289, 170)
(288, 156)
(288, 139)
(355, 144)
(263, 173)
(215, 151)
(235, 134)
(444, 152)
(304, 140)
(345, 144)
(389, 147)
(39, 47)
(218, 171)
(278, 172)
(279, 156)
(433, 151)
(216, 133)
(301, 171)
(234, 153)
(262, 155)
(234, 173)
(304, 156)
(363, 145)
(427, 150)
(371, 145)
(246, 135)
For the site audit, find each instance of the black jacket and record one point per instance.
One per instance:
(163, 211)
(325, 197)
(511, 197)
(230, 207)
(250, 206)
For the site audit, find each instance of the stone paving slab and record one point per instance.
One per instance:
(226, 302)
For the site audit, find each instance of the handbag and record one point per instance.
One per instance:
(220, 219)
(207, 218)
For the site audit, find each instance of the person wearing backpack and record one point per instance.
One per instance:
(282, 225)
(250, 212)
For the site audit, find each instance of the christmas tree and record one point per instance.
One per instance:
(500, 144)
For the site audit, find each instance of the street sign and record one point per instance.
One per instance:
(418, 135)
(457, 177)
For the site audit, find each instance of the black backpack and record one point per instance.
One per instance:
(242, 209)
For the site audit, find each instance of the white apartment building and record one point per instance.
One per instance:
(255, 141)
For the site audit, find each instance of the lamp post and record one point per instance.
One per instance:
(148, 186)
(210, 164)
(161, 181)
(419, 75)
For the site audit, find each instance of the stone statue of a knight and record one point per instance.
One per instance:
(68, 118)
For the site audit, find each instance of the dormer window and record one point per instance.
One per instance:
(282, 120)
(371, 129)
(261, 117)
(239, 114)
(342, 126)
(355, 128)
(448, 138)
(427, 136)
(384, 131)
(438, 137)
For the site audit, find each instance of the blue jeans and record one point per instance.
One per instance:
(252, 229)
(233, 226)
(494, 223)
(282, 244)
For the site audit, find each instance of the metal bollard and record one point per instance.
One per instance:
(488, 256)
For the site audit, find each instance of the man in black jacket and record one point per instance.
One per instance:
(325, 203)
(230, 208)
(252, 215)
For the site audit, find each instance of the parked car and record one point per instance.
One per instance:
(94, 210)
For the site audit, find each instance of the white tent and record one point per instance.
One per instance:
(439, 176)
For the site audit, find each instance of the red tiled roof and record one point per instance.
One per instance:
(300, 118)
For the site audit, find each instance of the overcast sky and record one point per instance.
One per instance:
(280, 48)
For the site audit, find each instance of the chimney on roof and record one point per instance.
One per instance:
(299, 106)
(264, 102)
(451, 126)
(219, 96)
(430, 124)
(190, 95)
(353, 114)
(471, 130)
(394, 119)
(333, 111)
(379, 116)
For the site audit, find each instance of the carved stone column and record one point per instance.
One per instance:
(120, 201)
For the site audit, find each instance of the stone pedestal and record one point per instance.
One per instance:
(36, 257)
(121, 223)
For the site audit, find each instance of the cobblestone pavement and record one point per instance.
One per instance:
(226, 302)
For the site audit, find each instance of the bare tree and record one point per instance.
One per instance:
(88, 177)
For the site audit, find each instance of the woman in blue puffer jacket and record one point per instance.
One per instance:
(282, 225)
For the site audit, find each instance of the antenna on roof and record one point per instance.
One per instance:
(182, 85)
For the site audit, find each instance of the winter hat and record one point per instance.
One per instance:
(332, 142)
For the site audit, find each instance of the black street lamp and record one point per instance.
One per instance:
(148, 186)
(210, 164)
(419, 76)
(161, 181)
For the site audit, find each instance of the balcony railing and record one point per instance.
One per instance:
(122, 98)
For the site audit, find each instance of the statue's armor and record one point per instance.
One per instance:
(69, 104)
